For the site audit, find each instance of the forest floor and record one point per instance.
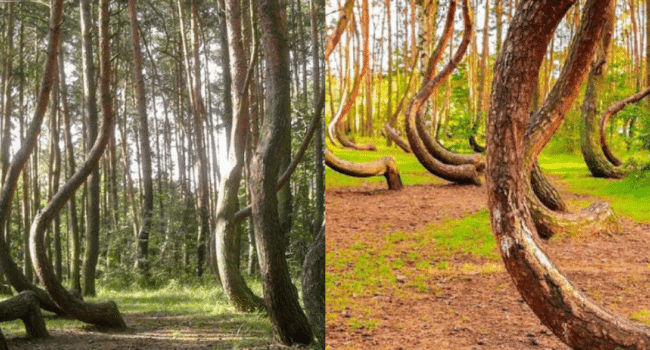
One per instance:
(173, 317)
(152, 331)
(418, 269)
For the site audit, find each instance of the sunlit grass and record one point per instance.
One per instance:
(628, 197)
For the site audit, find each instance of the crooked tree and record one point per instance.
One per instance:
(571, 316)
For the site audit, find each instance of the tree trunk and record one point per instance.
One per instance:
(143, 128)
(75, 271)
(26, 307)
(591, 144)
(280, 296)
(386, 166)
(313, 285)
(101, 314)
(574, 318)
(467, 173)
(90, 102)
(232, 281)
(544, 191)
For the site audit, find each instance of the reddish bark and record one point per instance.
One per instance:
(571, 316)
(456, 173)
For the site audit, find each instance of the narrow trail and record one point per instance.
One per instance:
(472, 303)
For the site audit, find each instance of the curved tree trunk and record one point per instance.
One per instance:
(574, 318)
(464, 174)
(394, 136)
(289, 320)
(545, 192)
(102, 314)
(545, 121)
(386, 166)
(592, 146)
(11, 271)
(610, 112)
(234, 285)
(26, 307)
(441, 153)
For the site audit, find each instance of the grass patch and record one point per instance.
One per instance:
(628, 197)
(470, 235)
(641, 316)
(373, 269)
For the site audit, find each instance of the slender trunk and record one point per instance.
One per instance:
(90, 112)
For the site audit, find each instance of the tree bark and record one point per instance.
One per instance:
(544, 191)
(290, 323)
(592, 145)
(386, 166)
(101, 314)
(313, 285)
(570, 315)
(75, 267)
(26, 307)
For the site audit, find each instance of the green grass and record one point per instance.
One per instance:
(628, 197)
(470, 235)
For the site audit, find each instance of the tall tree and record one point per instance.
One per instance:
(227, 250)
(90, 112)
(280, 295)
(143, 129)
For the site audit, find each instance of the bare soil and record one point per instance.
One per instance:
(474, 310)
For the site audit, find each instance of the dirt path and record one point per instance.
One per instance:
(153, 331)
(465, 309)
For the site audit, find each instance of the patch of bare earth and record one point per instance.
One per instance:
(472, 310)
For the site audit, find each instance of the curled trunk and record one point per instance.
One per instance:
(570, 315)
(545, 192)
(464, 174)
(386, 166)
(101, 314)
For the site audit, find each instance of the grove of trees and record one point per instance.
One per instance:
(183, 143)
(517, 76)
